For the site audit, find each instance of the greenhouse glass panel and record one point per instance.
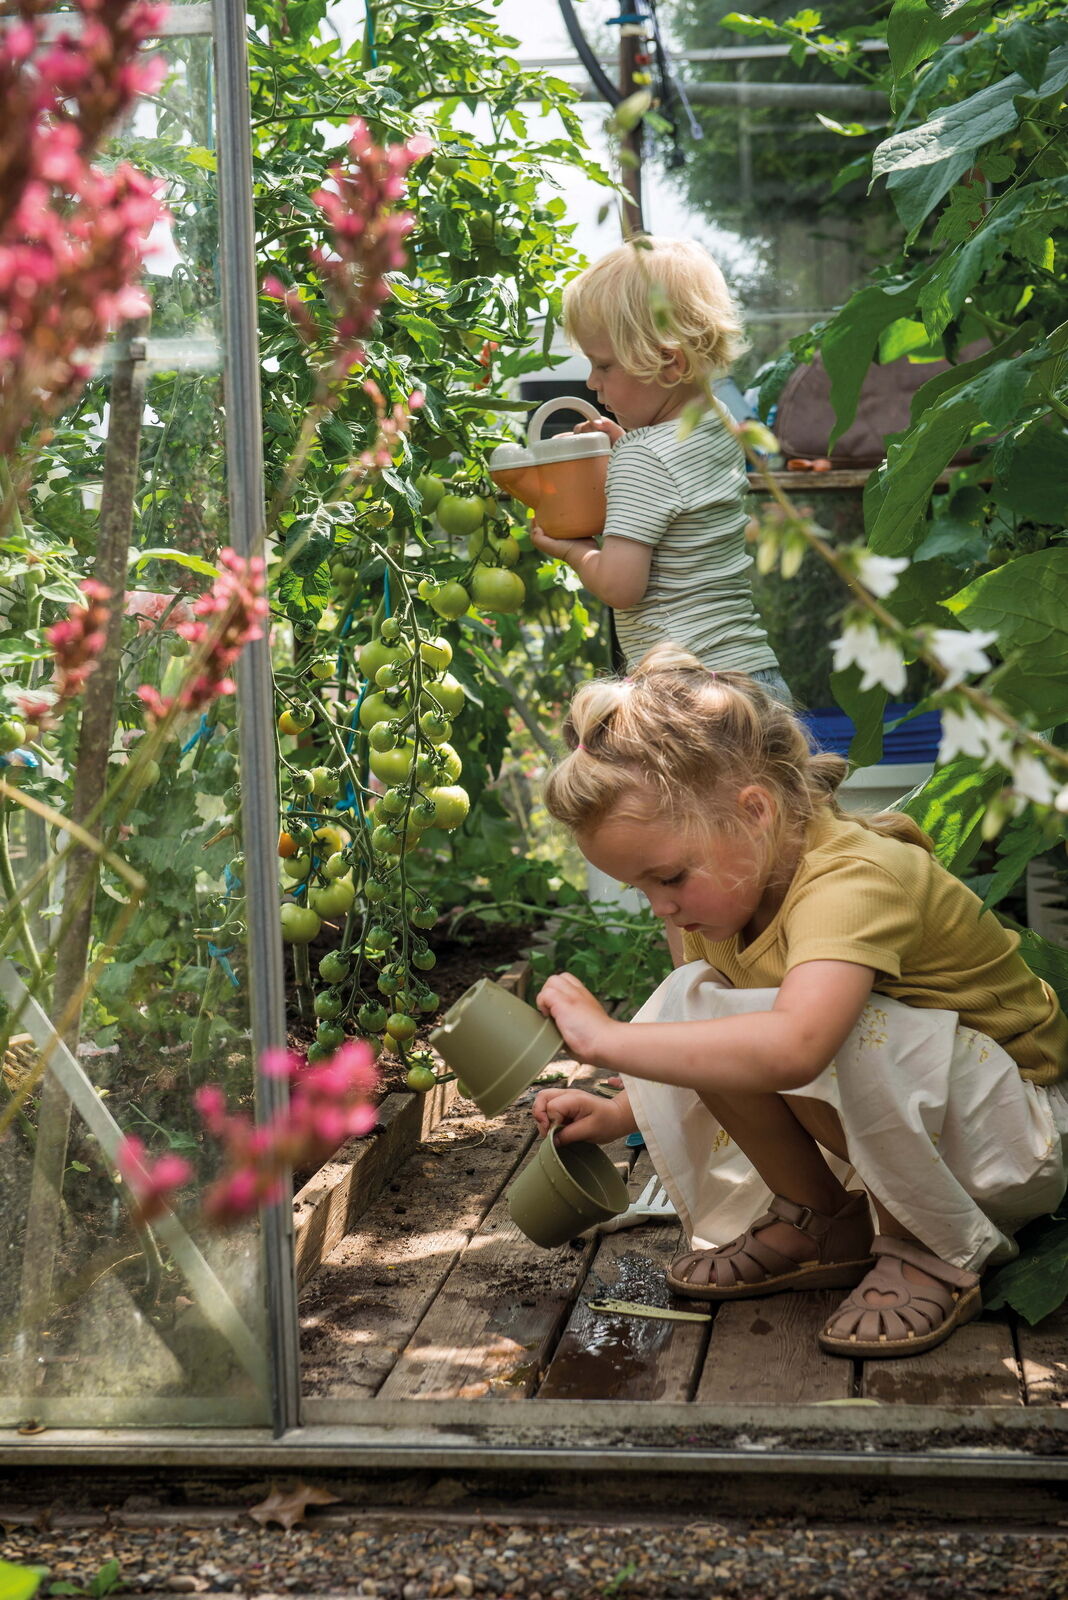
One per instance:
(118, 1307)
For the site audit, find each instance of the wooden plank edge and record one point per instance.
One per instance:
(334, 1197)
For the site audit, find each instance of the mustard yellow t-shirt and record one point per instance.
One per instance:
(882, 903)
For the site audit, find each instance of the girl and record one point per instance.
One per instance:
(847, 1008)
(656, 322)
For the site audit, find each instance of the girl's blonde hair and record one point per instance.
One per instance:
(657, 295)
(679, 742)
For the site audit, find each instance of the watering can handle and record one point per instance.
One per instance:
(567, 402)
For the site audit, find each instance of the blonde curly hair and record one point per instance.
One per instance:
(657, 296)
(679, 742)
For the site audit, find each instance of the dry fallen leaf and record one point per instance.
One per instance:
(287, 1506)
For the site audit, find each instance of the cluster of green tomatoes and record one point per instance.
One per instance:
(390, 763)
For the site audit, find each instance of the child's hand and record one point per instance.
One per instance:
(585, 1024)
(602, 425)
(562, 549)
(581, 1116)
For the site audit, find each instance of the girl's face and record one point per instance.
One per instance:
(634, 402)
(715, 887)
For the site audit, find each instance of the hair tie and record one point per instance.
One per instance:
(582, 747)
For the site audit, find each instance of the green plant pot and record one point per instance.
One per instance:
(562, 1192)
(495, 1043)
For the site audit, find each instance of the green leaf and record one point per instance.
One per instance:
(1030, 474)
(865, 707)
(1019, 844)
(1026, 603)
(849, 341)
(105, 1580)
(138, 559)
(1047, 961)
(960, 269)
(951, 808)
(1025, 51)
(914, 31)
(922, 164)
(1036, 1283)
(197, 156)
(19, 1583)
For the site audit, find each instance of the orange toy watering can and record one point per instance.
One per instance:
(562, 478)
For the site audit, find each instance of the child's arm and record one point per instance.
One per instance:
(770, 1052)
(616, 571)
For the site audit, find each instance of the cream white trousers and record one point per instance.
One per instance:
(939, 1125)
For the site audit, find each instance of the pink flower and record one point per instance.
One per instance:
(151, 1184)
(154, 610)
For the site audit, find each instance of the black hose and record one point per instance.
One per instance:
(601, 82)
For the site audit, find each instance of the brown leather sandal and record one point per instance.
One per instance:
(903, 1318)
(749, 1266)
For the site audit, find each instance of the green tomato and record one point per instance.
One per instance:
(436, 653)
(393, 766)
(318, 1052)
(335, 866)
(12, 734)
(387, 982)
(429, 1002)
(436, 726)
(378, 937)
(334, 899)
(328, 1005)
(423, 916)
(452, 804)
(374, 891)
(421, 1079)
(497, 589)
(401, 1027)
(325, 782)
(331, 1035)
(430, 490)
(376, 654)
(393, 803)
(424, 960)
(372, 1017)
(459, 515)
(450, 695)
(380, 707)
(383, 736)
(297, 867)
(424, 812)
(334, 968)
(299, 923)
(450, 601)
(322, 668)
(301, 782)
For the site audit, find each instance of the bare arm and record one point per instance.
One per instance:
(773, 1052)
(616, 571)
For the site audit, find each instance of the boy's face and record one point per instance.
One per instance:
(634, 402)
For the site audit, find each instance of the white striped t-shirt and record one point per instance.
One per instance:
(684, 497)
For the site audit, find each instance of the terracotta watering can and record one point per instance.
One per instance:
(561, 478)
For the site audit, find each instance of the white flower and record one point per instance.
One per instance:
(963, 734)
(1031, 779)
(878, 574)
(959, 653)
(1061, 802)
(879, 658)
(970, 733)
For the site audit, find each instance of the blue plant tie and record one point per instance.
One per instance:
(369, 23)
(221, 956)
(20, 758)
(385, 593)
(636, 1141)
(231, 880)
(205, 729)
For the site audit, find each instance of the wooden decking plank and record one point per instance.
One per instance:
(370, 1294)
(1044, 1359)
(766, 1350)
(975, 1367)
(495, 1320)
(606, 1357)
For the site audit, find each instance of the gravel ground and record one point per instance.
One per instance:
(420, 1558)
